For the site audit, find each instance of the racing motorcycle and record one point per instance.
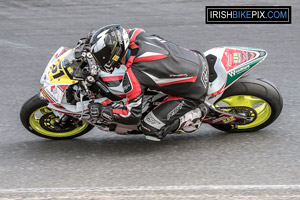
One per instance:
(235, 102)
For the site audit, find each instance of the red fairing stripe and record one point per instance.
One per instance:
(64, 51)
(57, 55)
(112, 78)
(44, 93)
(135, 34)
(52, 88)
(58, 106)
(49, 99)
(150, 58)
(120, 111)
(217, 92)
(106, 102)
(192, 79)
(63, 87)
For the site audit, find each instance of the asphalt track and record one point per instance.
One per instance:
(208, 164)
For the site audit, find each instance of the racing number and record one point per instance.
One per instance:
(61, 72)
(236, 58)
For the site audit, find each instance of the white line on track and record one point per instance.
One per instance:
(153, 188)
(13, 44)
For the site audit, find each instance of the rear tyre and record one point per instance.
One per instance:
(37, 118)
(258, 93)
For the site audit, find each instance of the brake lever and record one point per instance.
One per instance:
(88, 92)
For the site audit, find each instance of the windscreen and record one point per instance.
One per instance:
(72, 65)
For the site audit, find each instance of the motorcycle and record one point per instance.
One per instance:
(236, 102)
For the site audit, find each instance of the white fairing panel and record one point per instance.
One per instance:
(45, 78)
(75, 109)
(118, 72)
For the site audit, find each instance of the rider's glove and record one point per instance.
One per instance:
(95, 110)
(99, 111)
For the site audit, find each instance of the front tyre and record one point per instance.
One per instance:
(257, 93)
(37, 118)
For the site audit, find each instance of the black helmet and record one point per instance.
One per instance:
(108, 46)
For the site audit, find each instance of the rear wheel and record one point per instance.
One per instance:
(259, 94)
(40, 120)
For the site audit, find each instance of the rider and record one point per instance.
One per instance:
(154, 64)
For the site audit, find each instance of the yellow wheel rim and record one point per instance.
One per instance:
(34, 121)
(262, 108)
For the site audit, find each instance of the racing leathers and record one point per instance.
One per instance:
(156, 64)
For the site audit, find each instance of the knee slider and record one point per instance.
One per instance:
(145, 128)
(151, 123)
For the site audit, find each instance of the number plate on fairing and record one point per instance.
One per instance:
(60, 70)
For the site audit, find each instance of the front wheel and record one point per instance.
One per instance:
(257, 93)
(37, 118)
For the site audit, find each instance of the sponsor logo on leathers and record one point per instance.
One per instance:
(127, 85)
(175, 110)
(153, 121)
(204, 76)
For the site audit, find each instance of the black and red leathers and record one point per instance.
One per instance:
(156, 64)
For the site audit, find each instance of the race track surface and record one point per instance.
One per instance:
(208, 164)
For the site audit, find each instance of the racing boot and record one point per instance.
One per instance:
(158, 135)
(192, 120)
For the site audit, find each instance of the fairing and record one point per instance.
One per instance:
(232, 63)
(57, 77)
(45, 79)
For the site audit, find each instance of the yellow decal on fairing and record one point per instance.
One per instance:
(70, 70)
(58, 74)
